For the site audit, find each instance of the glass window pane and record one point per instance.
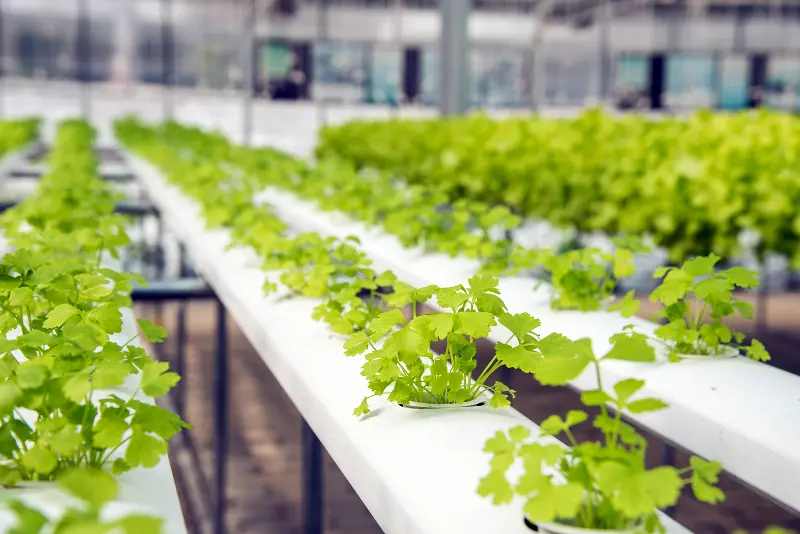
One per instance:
(783, 83)
(734, 82)
(338, 71)
(690, 81)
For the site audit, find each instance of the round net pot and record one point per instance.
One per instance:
(474, 403)
(726, 353)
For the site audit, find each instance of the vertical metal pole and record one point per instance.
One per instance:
(312, 482)
(762, 298)
(668, 459)
(4, 60)
(606, 16)
(322, 36)
(454, 57)
(180, 349)
(220, 420)
(247, 70)
(398, 43)
(167, 53)
(537, 57)
(84, 58)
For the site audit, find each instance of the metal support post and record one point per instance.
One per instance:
(84, 58)
(762, 298)
(668, 459)
(322, 36)
(312, 482)
(606, 16)
(167, 63)
(537, 86)
(398, 43)
(3, 62)
(454, 57)
(248, 60)
(220, 420)
(180, 341)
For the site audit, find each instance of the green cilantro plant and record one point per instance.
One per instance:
(91, 490)
(696, 299)
(599, 485)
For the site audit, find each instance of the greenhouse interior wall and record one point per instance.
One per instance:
(226, 223)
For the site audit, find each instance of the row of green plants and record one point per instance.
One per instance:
(693, 184)
(76, 402)
(697, 299)
(602, 484)
(14, 134)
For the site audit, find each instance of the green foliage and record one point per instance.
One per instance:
(59, 308)
(584, 279)
(692, 183)
(595, 484)
(696, 298)
(92, 489)
(398, 357)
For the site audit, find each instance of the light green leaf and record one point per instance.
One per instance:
(141, 524)
(646, 405)
(144, 450)
(156, 381)
(626, 388)
(109, 430)
(59, 315)
(631, 347)
(701, 266)
(151, 332)
(31, 375)
(93, 486)
(384, 322)
(40, 459)
(108, 317)
(517, 357)
(520, 324)
(356, 344)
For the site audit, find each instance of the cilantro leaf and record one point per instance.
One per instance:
(151, 332)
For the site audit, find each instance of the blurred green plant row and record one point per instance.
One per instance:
(693, 184)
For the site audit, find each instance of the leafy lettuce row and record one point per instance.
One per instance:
(694, 184)
(68, 408)
(597, 484)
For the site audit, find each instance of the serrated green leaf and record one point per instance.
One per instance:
(631, 347)
(517, 357)
(31, 375)
(626, 388)
(156, 380)
(108, 317)
(151, 332)
(357, 343)
(93, 486)
(39, 459)
(59, 315)
(384, 322)
(646, 405)
(520, 324)
(144, 450)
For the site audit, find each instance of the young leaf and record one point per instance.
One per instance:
(631, 347)
(156, 381)
(59, 315)
(93, 486)
(151, 332)
(144, 450)
(519, 324)
(646, 405)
